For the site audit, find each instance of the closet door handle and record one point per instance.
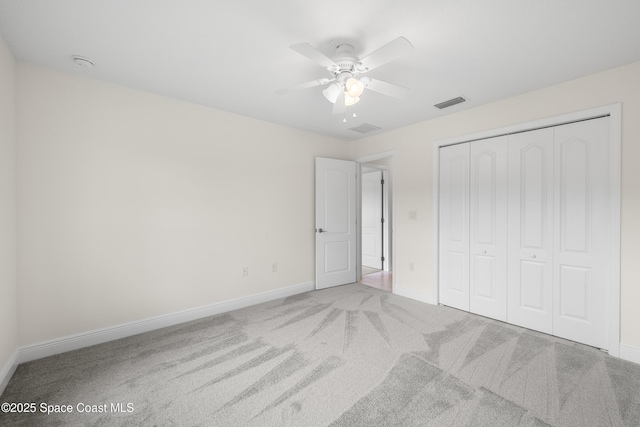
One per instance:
(533, 255)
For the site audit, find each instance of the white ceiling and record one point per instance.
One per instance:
(234, 55)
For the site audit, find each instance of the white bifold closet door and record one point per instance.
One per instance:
(530, 271)
(488, 228)
(582, 210)
(453, 253)
(524, 229)
(473, 227)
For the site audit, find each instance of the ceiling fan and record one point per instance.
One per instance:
(344, 67)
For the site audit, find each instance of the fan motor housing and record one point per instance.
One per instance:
(344, 58)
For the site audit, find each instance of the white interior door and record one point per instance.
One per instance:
(453, 269)
(335, 222)
(372, 219)
(488, 228)
(581, 218)
(530, 230)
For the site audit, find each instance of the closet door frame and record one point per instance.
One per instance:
(614, 111)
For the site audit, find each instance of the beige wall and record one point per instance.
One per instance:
(413, 147)
(8, 280)
(133, 205)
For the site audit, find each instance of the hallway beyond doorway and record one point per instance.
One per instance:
(381, 280)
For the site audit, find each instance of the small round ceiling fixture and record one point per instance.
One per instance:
(81, 61)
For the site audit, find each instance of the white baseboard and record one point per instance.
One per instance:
(629, 353)
(8, 370)
(99, 336)
(414, 294)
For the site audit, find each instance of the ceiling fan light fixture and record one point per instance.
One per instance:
(349, 100)
(331, 92)
(354, 87)
(344, 66)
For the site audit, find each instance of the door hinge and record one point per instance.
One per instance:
(382, 220)
(382, 259)
(382, 181)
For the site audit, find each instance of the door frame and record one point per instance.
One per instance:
(614, 111)
(384, 247)
(391, 208)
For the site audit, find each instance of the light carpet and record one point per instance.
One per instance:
(345, 356)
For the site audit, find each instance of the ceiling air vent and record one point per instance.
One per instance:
(450, 102)
(365, 128)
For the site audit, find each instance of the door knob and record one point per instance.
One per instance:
(320, 230)
(533, 256)
(484, 251)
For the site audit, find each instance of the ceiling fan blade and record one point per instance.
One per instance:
(302, 86)
(339, 106)
(385, 88)
(316, 56)
(387, 53)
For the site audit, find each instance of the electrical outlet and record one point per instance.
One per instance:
(411, 267)
(274, 267)
(245, 271)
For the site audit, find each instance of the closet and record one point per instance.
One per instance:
(524, 229)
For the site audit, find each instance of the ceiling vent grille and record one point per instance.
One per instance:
(365, 128)
(450, 102)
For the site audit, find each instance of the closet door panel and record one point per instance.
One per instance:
(488, 228)
(581, 238)
(530, 230)
(453, 233)
(532, 285)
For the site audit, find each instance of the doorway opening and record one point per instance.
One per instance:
(375, 216)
